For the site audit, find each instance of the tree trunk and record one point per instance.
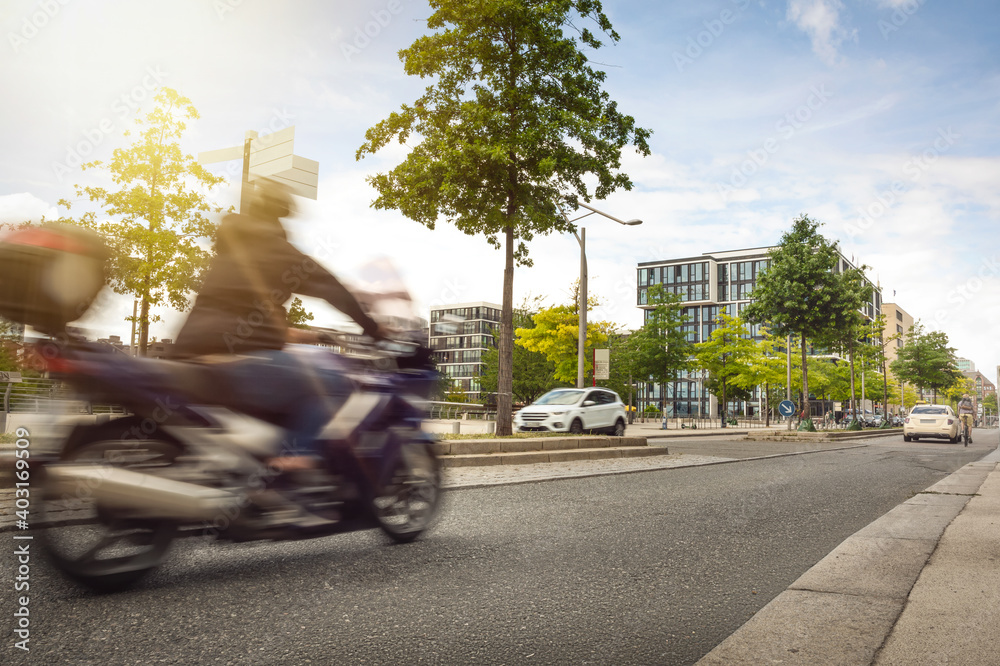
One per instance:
(724, 421)
(805, 380)
(144, 326)
(767, 405)
(885, 392)
(505, 346)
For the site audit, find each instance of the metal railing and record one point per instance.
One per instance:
(459, 410)
(34, 395)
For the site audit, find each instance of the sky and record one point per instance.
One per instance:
(876, 117)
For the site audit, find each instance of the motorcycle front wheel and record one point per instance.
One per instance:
(87, 541)
(405, 506)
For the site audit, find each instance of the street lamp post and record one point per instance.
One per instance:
(581, 238)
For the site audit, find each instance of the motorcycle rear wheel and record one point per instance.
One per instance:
(86, 541)
(406, 505)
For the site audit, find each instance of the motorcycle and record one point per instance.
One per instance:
(115, 495)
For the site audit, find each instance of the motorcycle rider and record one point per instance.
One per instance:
(239, 324)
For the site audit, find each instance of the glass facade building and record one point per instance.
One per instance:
(708, 285)
(459, 335)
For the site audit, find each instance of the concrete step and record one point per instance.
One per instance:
(564, 455)
(532, 444)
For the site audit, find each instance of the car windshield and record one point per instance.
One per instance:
(929, 410)
(564, 397)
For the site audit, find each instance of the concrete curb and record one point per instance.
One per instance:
(842, 610)
(822, 436)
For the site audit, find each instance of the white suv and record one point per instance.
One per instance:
(574, 410)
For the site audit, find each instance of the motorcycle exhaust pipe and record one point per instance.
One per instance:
(138, 495)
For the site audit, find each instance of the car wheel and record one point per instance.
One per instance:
(619, 430)
(906, 438)
(576, 427)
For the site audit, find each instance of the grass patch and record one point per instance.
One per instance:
(7, 438)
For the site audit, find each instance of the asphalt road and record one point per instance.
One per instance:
(649, 568)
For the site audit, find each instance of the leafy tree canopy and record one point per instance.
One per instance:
(926, 360)
(514, 121)
(298, 317)
(663, 348)
(555, 335)
(726, 355)
(156, 227)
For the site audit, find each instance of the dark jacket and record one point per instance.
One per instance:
(240, 307)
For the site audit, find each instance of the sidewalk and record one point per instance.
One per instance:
(920, 585)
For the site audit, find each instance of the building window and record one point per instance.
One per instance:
(899, 315)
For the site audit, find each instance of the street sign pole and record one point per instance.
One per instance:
(788, 368)
(269, 156)
(245, 187)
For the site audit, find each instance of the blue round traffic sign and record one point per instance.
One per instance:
(786, 408)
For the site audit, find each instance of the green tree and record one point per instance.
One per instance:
(624, 371)
(726, 356)
(533, 375)
(157, 227)
(798, 292)
(962, 385)
(533, 372)
(514, 122)
(926, 360)
(662, 346)
(555, 334)
(8, 356)
(764, 368)
(849, 328)
(298, 317)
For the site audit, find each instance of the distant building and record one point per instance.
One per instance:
(984, 386)
(898, 322)
(965, 365)
(160, 349)
(459, 335)
(115, 341)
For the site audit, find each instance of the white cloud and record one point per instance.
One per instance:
(820, 19)
(24, 207)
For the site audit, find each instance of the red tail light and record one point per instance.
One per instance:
(60, 366)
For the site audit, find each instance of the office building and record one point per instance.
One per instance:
(459, 336)
(709, 284)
